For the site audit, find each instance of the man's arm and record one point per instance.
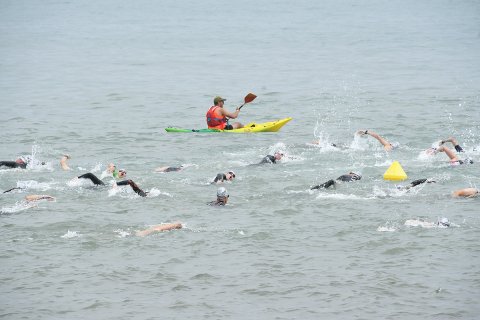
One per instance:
(231, 115)
(448, 152)
(386, 145)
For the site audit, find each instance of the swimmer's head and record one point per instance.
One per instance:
(431, 151)
(278, 155)
(444, 222)
(361, 133)
(231, 175)
(222, 193)
(122, 173)
(356, 175)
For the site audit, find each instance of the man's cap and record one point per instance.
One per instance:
(232, 173)
(217, 99)
(222, 192)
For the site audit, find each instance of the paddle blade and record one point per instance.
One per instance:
(250, 97)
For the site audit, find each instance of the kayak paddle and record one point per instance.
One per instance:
(248, 98)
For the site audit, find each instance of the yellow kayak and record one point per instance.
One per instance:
(272, 126)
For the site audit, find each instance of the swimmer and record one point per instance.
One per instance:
(349, 177)
(222, 197)
(454, 160)
(441, 223)
(21, 162)
(454, 142)
(386, 145)
(63, 162)
(116, 174)
(466, 193)
(277, 156)
(16, 188)
(221, 177)
(168, 169)
(415, 183)
(37, 197)
(159, 228)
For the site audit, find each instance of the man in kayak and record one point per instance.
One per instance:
(349, 177)
(217, 116)
(222, 197)
(221, 177)
(277, 156)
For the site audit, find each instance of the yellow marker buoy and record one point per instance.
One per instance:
(395, 172)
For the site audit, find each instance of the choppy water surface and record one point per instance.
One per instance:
(101, 81)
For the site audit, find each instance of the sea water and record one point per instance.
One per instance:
(101, 80)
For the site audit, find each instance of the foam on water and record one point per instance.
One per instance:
(71, 234)
(18, 207)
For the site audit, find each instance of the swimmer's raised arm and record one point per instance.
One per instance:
(134, 186)
(448, 152)
(454, 143)
(386, 145)
(63, 162)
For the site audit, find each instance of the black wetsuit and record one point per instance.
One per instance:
(170, 169)
(417, 182)
(465, 161)
(331, 182)
(13, 164)
(220, 177)
(97, 181)
(216, 203)
(268, 159)
(16, 188)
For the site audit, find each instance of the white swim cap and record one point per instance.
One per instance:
(222, 192)
(444, 222)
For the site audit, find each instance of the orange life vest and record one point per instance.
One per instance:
(214, 119)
